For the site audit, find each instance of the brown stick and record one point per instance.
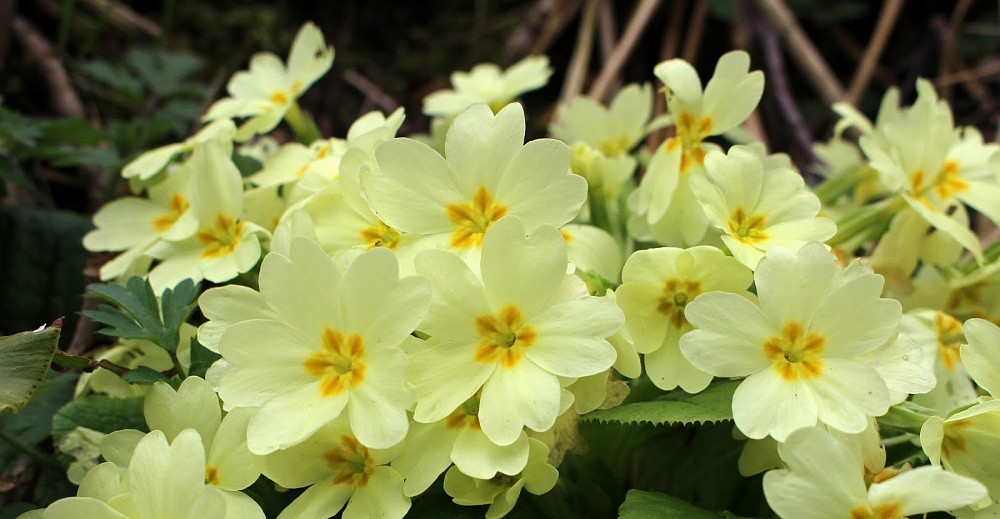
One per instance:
(668, 49)
(636, 25)
(803, 50)
(754, 123)
(64, 98)
(555, 23)
(886, 22)
(696, 28)
(125, 19)
(607, 30)
(948, 47)
(578, 63)
(370, 90)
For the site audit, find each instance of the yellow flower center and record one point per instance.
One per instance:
(339, 363)
(505, 337)
(211, 476)
(222, 238)
(615, 146)
(795, 354)
(350, 462)
(883, 511)
(945, 183)
(950, 339)
(466, 416)
(954, 440)
(690, 132)
(380, 235)
(677, 294)
(747, 229)
(471, 219)
(279, 97)
(178, 204)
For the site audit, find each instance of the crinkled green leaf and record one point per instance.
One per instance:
(101, 413)
(144, 375)
(24, 360)
(137, 315)
(654, 505)
(714, 404)
(201, 359)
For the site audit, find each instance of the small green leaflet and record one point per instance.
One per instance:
(654, 505)
(139, 315)
(714, 404)
(24, 360)
(100, 413)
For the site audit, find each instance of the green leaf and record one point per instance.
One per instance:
(139, 314)
(201, 359)
(18, 129)
(73, 131)
(33, 424)
(654, 505)
(714, 404)
(164, 72)
(116, 77)
(144, 375)
(24, 360)
(101, 413)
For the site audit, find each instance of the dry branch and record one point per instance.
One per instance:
(886, 22)
(636, 25)
(64, 98)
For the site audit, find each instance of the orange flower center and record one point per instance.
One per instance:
(677, 294)
(471, 219)
(222, 238)
(350, 462)
(505, 337)
(339, 363)
(380, 235)
(794, 354)
(747, 229)
(178, 204)
(691, 130)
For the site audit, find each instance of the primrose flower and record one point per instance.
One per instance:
(614, 130)
(968, 443)
(512, 334)
(339, 470)
(798, 344)
(657, 286)
(223, 246)
(162, 481)
(824, 480)
(270, 88)
(501, 492)
(756, 207)
(148, 164)
(982, 354)
(486, 83)
(459, 438)
(665, 207)
(489, 172)
(933, 167)
(133, 224)
(332, 350)
(940, 336)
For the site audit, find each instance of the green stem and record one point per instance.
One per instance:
(905, 417)
(30, 451)
(833, 188)
(302, 124)
(866, 220)
(599, 210)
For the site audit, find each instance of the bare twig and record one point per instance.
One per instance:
(801, 153)
(668, 49)
(754, 123)
(844, 40)
(886, 22)
(640, 19)
(64, 98)
(803, 50)
(948, 46)
(555, 23)
(581, 54)
(370, 90)
(987, 68)
(696, 27)
(607, 29)
(123, 18)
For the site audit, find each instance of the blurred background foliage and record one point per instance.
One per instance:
(87, 85)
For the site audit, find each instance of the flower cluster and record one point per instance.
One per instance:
(390, 309)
